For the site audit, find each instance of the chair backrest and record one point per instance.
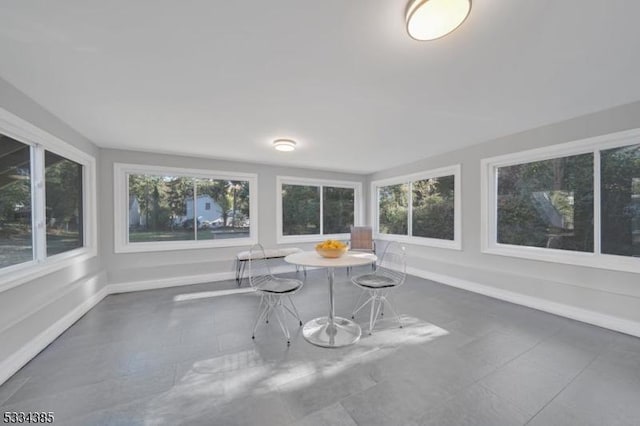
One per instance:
(393, 263)
(361, 238)
(259, 272)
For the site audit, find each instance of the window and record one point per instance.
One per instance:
(393, 209)
(300, 210)
(312, 210)
(63, 195)
(547, 203)
(170, 209)
(422, 208)
(620, 200)
(16, 230)
(47, 206)
(575, 203)
(338, 209)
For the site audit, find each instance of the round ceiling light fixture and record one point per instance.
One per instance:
(286, 145)
(432, 19)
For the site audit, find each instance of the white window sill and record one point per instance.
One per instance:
(16, 275)
(291, 239)
(421, 241)
(591, 260)
(184, 245)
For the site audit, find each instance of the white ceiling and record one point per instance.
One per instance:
(224, 78)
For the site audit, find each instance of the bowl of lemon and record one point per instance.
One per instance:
(331, 249)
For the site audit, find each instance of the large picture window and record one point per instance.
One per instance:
(169, 209)
(575, 203)
(311, 210)
(45, 201)
(422, 208)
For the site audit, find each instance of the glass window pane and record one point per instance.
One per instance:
(63, 194)
(223, 209)
(433, 208)
(160, 208)
(393, 209)
(547, 204)
(620, 187)
(337, 209)
(15, 202)
(300, 210)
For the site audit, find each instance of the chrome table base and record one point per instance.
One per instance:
(331, 331)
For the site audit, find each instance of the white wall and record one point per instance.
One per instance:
(201, 265)
(605, 297)
(35, 312)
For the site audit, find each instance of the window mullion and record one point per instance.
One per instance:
(597, 204)
(320, 188)
(410, 211)
(195, 209)
(38, 206)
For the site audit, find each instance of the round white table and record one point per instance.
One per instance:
(331, 331)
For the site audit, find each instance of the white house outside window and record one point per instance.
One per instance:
(170, 208)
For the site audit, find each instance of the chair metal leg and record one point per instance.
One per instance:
(264, 312)
(372, 318)
(356, 310)
(284, 328)
(393, 310)
(295, 310)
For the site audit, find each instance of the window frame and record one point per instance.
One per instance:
(489, 210)
(41, 141)
(121, 172)
(358, 215)
(456, 243)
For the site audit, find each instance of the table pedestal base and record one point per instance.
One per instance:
(321, 332)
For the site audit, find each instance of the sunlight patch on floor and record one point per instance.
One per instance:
(215, 382)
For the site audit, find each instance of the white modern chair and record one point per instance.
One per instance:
(390, 273)
(273, 292)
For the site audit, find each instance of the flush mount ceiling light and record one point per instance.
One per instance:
(432, 19)
(284, 144)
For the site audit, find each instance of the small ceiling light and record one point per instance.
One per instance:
(284, 144)
(432, 19)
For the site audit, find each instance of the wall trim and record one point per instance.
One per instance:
(579, 314)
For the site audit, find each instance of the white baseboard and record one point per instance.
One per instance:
(579, 314)
(18, 359)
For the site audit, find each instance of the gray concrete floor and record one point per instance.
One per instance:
(185, 356)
